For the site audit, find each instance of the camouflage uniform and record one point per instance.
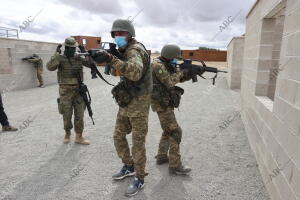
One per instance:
(38, 64)
(166, 115)
(134, 117)
(68, 71)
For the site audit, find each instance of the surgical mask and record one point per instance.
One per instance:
(173, 62)
(120, 41)
(69, 51)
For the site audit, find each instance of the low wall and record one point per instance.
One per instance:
(235, 55)
(16, 74)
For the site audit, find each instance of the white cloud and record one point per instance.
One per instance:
(190, 23)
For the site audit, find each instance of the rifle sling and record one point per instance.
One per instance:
(100, 75)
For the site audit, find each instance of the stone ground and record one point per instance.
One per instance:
(35, 164)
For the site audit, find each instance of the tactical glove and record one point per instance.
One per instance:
(58, 48)
(102, 57)
(186, 75)
(82, 49)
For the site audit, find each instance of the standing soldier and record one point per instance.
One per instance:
(133, 96)
(38, 64)
(165, 97)
(69, 73)
(3, 119)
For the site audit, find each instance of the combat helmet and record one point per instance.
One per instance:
(70, 42)
(171, 51)
(122, 25)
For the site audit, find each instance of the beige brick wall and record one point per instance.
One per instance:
(5, 59)
(16, 74)
(235, 54)
(273, 126)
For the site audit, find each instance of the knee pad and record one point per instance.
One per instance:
(176, 134)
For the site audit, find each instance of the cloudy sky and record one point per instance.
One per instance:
(188, 23)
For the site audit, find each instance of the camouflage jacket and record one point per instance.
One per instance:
(162, 77)
(67, 70)
(135, 64)
(37, 62)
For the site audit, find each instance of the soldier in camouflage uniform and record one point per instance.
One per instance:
(133, 96)
(69, 68)
(38, 64)
(165, 77)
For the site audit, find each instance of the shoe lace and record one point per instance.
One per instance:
(124, 168)
(137, 182)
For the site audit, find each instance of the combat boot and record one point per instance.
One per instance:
(9, 128)
(67, 137)
(80, 140)
(182, 170)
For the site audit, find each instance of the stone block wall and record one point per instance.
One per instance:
(270, 93)
(235, 54)
(16, 74)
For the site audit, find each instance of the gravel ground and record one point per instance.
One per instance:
(35, 164)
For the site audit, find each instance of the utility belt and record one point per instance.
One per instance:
(167, 97)
(124, 92)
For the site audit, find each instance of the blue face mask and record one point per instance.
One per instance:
(120, 41)
(173, 62)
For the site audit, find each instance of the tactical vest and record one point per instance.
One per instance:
(69, 70)
(155, 80)
(144, 85)
(166, 97)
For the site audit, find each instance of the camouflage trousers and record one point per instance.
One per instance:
(70, 101)
(139, 128)
(170, 139)
(39, 72)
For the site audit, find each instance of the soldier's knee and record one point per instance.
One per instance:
(118, 135)
(176, 134)
(165, 134)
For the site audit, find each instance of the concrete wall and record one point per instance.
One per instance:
(273, 126)
(16, 74)
(235, 54)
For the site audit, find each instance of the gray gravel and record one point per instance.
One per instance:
(35, 164)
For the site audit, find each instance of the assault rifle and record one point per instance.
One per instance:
(90, 54)
(198, 70)
(85, 94)
(28, 58)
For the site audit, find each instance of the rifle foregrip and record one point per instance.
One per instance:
(210, 69)
(194, 78)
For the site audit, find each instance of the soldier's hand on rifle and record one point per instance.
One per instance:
(102, 57)
(58, 48)
(187, 75)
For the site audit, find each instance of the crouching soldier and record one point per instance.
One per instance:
(165, 97)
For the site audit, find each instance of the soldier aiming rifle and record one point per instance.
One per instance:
(38, 64)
